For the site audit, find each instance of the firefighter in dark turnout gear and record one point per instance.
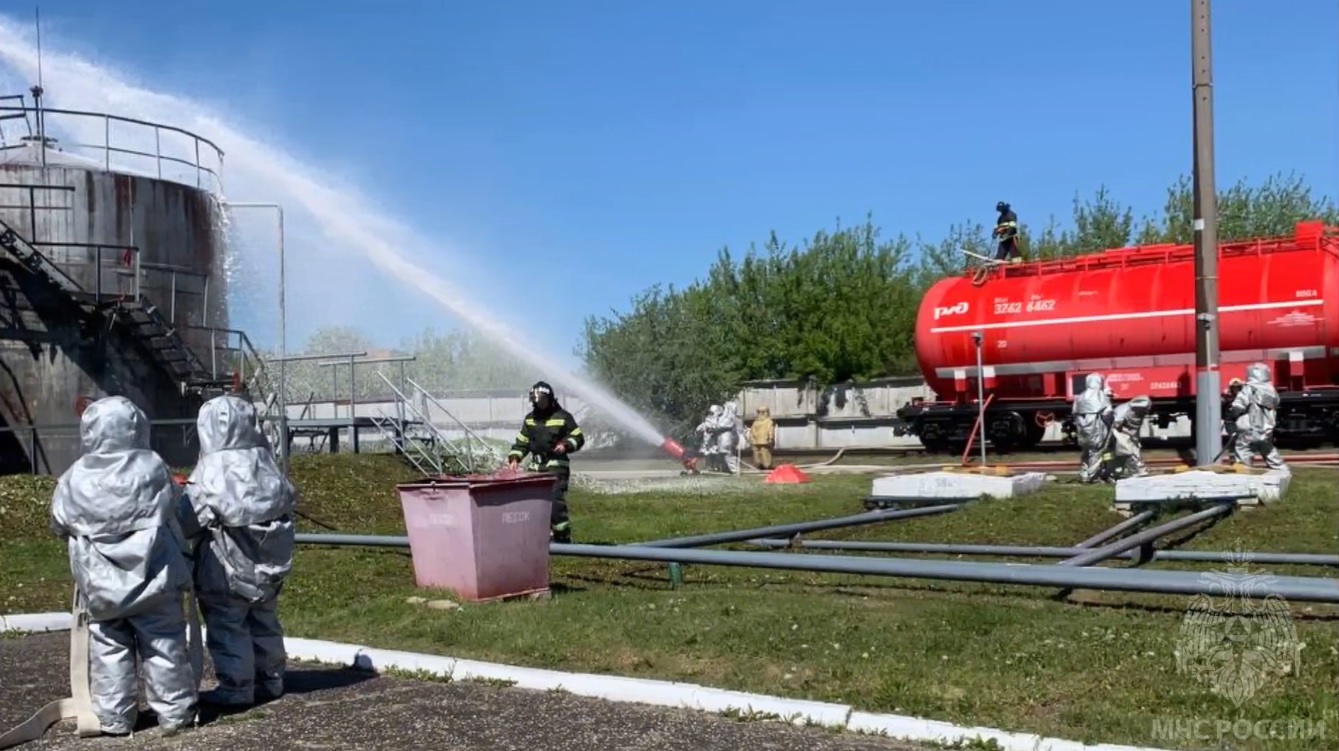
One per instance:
(549, 435)
(1006, 231)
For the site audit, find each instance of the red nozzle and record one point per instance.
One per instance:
(672, 447)
(676, 450)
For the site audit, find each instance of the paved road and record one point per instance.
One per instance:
(330, 708)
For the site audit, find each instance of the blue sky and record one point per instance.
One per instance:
(607, 145)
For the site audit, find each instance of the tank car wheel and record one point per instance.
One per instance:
(1035, 434)
(935, 445)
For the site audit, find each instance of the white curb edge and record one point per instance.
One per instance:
(634, 690)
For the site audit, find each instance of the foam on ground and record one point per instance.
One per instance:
(677, 485)
(957, 485)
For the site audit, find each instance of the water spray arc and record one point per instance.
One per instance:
(342, 216)
(282, 395)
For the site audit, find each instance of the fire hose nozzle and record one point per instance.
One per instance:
(676, 450)
(672, 447)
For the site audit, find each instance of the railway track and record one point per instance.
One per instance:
(1050, 447)
(1054, 457)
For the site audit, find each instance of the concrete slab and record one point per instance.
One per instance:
(1261, 487)
(956, 485)
(333, 708)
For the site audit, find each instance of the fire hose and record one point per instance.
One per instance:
(78, 706)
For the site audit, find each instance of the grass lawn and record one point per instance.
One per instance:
(1090, 666)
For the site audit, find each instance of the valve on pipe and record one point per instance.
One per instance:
(687, 458)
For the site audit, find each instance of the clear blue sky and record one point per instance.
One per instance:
(613, 144)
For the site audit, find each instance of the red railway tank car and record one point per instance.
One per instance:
(1129, 314)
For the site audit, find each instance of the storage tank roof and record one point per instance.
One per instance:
(29, 155)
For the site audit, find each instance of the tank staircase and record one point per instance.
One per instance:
(246, 374)
(151, 330)
(410, 429)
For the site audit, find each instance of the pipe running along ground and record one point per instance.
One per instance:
(1148, 536)
(1030, 551)
(872, 517)
(1298, 588)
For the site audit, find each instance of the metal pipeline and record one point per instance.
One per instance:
(1139, 539)
(1299, 588)
(740, 535)
(1107, 534)
(352, 541)
(1031, 551)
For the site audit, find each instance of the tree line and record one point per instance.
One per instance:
(842, 305)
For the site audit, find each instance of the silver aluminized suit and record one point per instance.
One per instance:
(1092, 421)
(730, 429)
(1127, 423)
(707, 429)
(119, 511)
(1254, 410)
(244, 504)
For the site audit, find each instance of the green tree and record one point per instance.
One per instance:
(842, 306)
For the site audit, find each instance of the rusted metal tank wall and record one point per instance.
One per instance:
(52, 365)
(176, 228)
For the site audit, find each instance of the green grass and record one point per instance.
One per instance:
(1091, 666)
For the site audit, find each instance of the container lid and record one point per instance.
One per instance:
(501, 478)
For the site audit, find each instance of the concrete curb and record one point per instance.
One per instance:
(36, 622)
(635, 690)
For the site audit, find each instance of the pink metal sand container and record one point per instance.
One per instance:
(484, 537)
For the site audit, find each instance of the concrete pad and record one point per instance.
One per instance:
(1262, 487)
(956, 485)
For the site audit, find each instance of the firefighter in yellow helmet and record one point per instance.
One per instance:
(550, 435)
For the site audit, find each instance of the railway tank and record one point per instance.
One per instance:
(1130, 315)
(113, 281)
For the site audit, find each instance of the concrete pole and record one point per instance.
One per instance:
(1208, 382)
(979, 338)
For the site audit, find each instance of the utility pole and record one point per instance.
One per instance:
(1208, 382)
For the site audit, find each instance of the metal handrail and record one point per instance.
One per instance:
(427, 395)
(157, 155)
(408, 447)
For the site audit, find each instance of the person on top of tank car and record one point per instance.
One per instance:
(549, 434)
(1254, 412)
(1006, 231)
(1092, 421)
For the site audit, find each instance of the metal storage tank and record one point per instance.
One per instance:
(125, 243)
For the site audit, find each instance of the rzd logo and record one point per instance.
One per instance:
(955, 310)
